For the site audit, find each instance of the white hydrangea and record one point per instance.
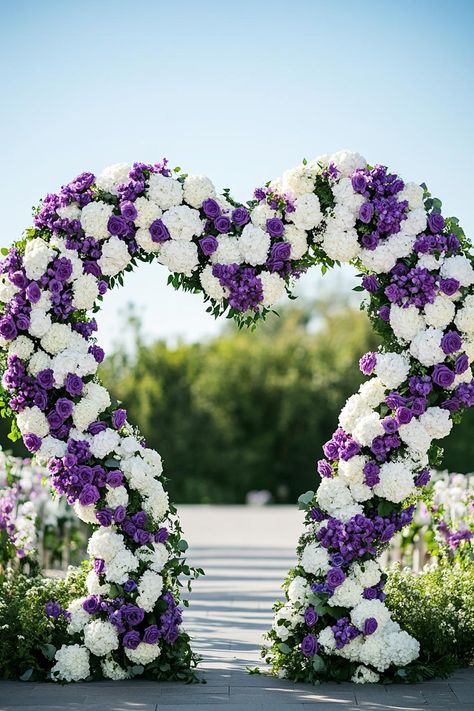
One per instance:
(156, 557)
(57, 338)
(144, 240)
(104, 443)
(392, 369)
(119, 568)
(147, 212)
(40, 323)
(85, 513)
(113, 176)
(112, 670)
(254, 244)
(32, 420)
(367, 573)
(285, 619)
(413, 193)
(211, 284)
(179, 256)
(105, 543)
(352, 470)
(228, 251)
(72, 663)
(347, 162)
(39, 361)
(156, 502)
(36, 258)
(116, 496)
(273, 288)
(167, 192)
(465, 316)
(22, 347)
(144, 653)
(94, 586)
(415, 436)
(307, 214)
(367, 429)
(364, 675)
(335, 497)
(326, 640)
(100, 637)
(415, 221)
(341, 245)
(95, 218)
(85, 292)
(261, 213)
(298, 590)
(315, 559)
(149, 590)
(115, 256)
(372, 392)
(437, 422)
(354, 409)
(396, 482)
(50, 447)
(183, 222)
(78, 616)
(297, 239)
(458, 267)
(299, 180)
(7, 289)
(370, 608)
(440, 313)
(345, 194)
(406, 322)
(198, 188)
(348, 594)
(426, 347)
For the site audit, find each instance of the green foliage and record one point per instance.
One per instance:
(437, 607)
(29, 639)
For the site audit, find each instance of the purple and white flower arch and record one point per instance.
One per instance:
(418, 273)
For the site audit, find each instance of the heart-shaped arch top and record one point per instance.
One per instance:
(417, 270)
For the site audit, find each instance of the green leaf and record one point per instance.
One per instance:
(284, 648)
(318, 664)
(111, 463)
(137, 670)
(183, 545)
(305, 499)
(49, 650)
(26, 676)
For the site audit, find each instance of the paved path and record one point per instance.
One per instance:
(246, 553)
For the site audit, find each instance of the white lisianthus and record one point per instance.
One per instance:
(95, 219)
(166, 192)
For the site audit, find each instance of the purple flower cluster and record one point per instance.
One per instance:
(416, 286)
(344, 632)
(16, 315)
(243, 284)
(55, 610)
(341, 446)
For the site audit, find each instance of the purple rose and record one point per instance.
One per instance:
(45, 378)
(97, 352)
(392, 292)
(119, 514)
(99, 565)
(334, 578)
(129, 585)
(158, 231)
(8, 329)
(366, 212)
(54, 420)
(161, 536)
(32, 442)
(19, 279)
(461, 364)
(85, 474)
(117, 225)
(73, 384)
(403, 415)
(140, 519)
(240, 216)
(133, 614)
(395, 400)
(370, 283)
(384, 312)
(53, 609)
(118, 418)
(449, 286)
(141, 537)
(331, 449)
(275, 227)
(114, 478)
(359, 182)
(371, 473)
(128, 210)
(91, 604)
(324, 468)
(370, 241)
(390, 425)
(208, 244)
(419, 405)
(350, 449)
(64, 407)
(442, 376)
(89, 495)
(370, 593)
(423, 478)
(62, 268)
(367, 363)
(96, 428)
(151, 634)
(370, 625)
(33, 292)
(131, 639)
(222, 224)
(436, 222)
(453, 243)
(451, 342)
(309, 645)
(211, 208)
(281, 251)
(104, 517)
(310, 616)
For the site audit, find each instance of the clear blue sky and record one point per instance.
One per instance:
(238, 91)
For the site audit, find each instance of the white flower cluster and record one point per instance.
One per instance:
(72, 663)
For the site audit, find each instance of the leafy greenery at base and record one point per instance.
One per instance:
(28, 638)
(437, 607)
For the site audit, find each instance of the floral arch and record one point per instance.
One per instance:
(417, 271)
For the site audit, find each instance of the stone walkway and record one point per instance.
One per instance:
(246, 553)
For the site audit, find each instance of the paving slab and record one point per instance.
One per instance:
(230, 611)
